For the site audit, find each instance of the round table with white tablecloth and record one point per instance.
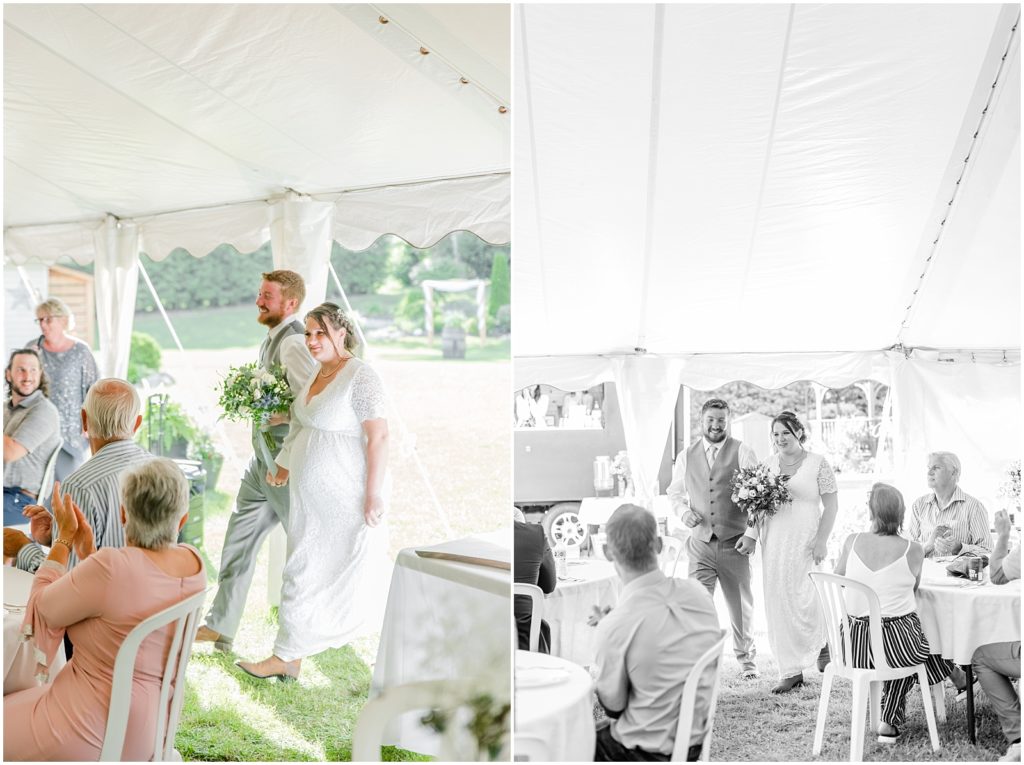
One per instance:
(19, 664)
(591, 583)
(554, 708)
(957, 616)
(445, 620)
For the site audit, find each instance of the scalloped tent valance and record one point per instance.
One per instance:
(190, 123)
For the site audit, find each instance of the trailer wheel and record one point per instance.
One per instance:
(562, 524)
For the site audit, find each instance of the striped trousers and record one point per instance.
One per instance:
(905, 645)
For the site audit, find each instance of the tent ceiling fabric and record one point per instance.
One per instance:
(145, 110)
(803, 157)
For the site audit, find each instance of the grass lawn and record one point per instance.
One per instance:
(236, 327)
(751, 724)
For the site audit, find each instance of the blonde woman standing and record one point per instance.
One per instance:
(71, 369)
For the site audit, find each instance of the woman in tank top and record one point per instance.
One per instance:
(891, 566)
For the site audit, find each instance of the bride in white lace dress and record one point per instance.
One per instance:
(794, 542)
(334, 458)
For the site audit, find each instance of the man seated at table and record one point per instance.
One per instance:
(110, 416)
(31, 433)
(948, 521)
(996, 663)
(647, 645)
(534, 564)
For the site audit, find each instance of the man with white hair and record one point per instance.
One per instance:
(948, 521)
(647, 646)
(110, 416)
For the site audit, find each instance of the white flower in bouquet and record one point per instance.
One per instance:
(252, 393)
(758, 492)
(1010, 488)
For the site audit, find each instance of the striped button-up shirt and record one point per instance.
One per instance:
(96, 488)
(965, 516)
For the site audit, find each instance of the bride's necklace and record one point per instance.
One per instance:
(340, 365)
(797, 461)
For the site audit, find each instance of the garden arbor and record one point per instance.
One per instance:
(806, 192)
(133, 129)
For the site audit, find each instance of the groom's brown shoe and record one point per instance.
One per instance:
(206, 635)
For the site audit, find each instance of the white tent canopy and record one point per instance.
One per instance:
(134, 128)
(775, 193)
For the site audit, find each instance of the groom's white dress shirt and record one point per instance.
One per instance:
(294, 356)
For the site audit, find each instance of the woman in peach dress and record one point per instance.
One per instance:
(99, 602)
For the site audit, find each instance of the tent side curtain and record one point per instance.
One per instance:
(420, 213)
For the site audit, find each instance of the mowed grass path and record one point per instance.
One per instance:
(450, 430)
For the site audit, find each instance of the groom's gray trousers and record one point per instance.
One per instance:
(717, 560)
(258, 509)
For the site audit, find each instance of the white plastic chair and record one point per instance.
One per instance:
(536, 596)
(46, 486)
(377, 713)
(185, 616)
(830, 591)
(713, 658)
(671, 551)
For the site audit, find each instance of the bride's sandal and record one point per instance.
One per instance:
(789, 683)
(289, 674)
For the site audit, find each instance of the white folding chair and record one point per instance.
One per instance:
(377, 713)
(46, 486)
(712, 658)
(671, 552)
(536, 596)
(838, 624)
(185, 617)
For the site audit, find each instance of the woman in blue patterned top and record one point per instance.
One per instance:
(71, 369)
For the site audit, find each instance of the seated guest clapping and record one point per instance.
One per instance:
(647, 645)
(891, 566)
(996, 663)
(948, 521)
(534, 564)
(111, 415)
(104, 598)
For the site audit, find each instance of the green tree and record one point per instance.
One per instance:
(501, 284)
(362, 272)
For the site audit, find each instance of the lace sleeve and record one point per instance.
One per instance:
(826, 478)
(367, 395)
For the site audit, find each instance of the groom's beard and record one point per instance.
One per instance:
(715, 438)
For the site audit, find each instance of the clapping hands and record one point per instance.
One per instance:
(72, 525)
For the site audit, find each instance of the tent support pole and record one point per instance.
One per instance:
(348, 306)
(160, 305)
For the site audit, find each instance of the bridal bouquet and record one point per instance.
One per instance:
(1010, 488)
(758, 492)
(250, 392)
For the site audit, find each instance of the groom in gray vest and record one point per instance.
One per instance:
(721, 543)
(259, 506)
